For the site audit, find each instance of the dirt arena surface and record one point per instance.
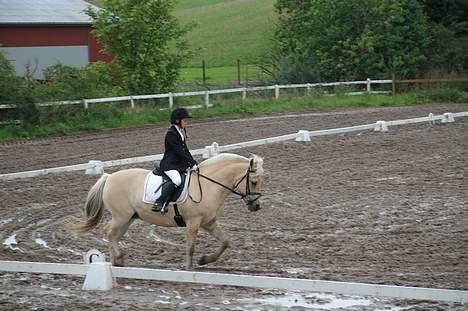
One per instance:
(383, 208)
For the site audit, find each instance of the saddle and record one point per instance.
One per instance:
(159, 172)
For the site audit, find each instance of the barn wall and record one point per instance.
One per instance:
(41, 46)
(43, 36)
(95, 50)
(40, 57)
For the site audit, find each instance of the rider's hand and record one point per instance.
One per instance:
(194, 167)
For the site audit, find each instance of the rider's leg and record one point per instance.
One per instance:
(166, 190)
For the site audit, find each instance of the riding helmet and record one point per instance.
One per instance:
(178, 114)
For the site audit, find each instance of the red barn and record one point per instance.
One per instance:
(40, 33)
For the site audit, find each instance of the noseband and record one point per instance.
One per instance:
(233, 190)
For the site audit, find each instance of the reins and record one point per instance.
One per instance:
(233, 190)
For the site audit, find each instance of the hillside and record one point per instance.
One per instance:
(228, 30)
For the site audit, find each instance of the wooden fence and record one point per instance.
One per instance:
(206, 94)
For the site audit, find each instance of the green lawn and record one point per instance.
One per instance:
(228, 30)
(112, 116)
(225, 74)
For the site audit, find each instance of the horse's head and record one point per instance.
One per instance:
(247, 182)
(253, 183)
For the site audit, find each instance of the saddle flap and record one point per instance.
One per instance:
(152, 188)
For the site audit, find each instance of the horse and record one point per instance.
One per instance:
(121, 193)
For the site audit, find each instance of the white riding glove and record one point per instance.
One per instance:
(194, 168)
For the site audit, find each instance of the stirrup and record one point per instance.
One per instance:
(160, 208)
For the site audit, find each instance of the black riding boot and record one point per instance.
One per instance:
(167, 189)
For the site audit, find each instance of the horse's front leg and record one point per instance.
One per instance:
(192, 232)
(214, 229)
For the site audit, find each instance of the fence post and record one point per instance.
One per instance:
(171, 101)
(276, 91)
(132, 103)
(369, 85)
(207, 99)
(203, 72)
(308, 88)
(244, 93)
(85, 103)
(238, 72)
(393, 85)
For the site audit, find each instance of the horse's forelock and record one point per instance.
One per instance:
(257, 164)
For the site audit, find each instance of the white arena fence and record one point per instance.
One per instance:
(97, 167)
(244, 90)
(100, 275)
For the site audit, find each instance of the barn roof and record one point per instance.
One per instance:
(26, 12)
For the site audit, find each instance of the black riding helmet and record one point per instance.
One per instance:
(178, 114)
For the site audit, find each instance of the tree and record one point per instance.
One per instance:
(353, 39)
(146, 42)
(17, 91)
(449, 30)
(8, 81)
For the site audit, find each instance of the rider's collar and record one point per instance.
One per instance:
(180, 130)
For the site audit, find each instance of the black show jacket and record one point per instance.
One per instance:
(176, 155)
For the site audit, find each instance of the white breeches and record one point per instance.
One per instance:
(174, 176)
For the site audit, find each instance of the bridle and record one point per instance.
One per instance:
(247, 193)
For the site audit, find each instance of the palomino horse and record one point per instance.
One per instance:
(122, 192)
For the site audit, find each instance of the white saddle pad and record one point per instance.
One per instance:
(153, 182)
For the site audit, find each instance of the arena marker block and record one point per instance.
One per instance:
(381, 126)
(99, 274)
(303, 135)
(99, 277)
(448, 117)
(98, 168)
(211, 150)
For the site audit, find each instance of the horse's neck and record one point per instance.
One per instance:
(227, 173)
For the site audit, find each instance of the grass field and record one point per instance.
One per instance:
(226, 74)
(228, 30)
(112, 116)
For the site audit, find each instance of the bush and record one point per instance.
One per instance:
(444, 94)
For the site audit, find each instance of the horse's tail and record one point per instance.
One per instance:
(93, 207)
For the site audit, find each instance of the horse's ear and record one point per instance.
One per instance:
(251, 163)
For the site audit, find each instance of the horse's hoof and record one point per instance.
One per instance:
(203, 260)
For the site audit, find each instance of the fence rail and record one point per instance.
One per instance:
(207, 93)
(99, 275)
(245, 90)
(97, 167)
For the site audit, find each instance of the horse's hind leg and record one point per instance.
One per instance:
(114, 230)
(215, 230)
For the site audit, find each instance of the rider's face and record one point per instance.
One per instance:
(183, 123)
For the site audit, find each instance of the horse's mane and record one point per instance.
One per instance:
(235, 158)
(223, 157)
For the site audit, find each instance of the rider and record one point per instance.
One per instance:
(177, 157)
